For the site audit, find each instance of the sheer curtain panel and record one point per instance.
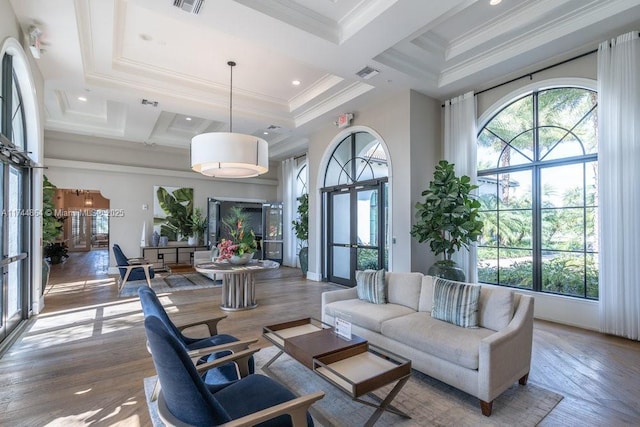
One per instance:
(619, 188)
(289, 169)
(460, 142)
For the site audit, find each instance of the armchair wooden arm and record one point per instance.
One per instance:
(212, 324)
(241, 359)
(296, 408)
(234, 346)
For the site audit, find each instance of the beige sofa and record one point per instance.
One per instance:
(482, 361)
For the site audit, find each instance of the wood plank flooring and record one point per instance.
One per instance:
(82, 361)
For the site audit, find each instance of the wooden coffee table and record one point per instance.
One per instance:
(180, 268)
(353, 366)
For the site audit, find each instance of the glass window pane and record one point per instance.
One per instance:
(336, 172)
(367, 259)
(17, 117)
(563, 273)
(367, 217)
(563, 229)
(514, 190)
(487, 265)
(514, 229)
(513, 120)
(489, 235)
(591, 230)
(488, 192)
(341, 218)
(515, 268)
(562, 186)
(592, 276)
(591, 183)
(342, 262)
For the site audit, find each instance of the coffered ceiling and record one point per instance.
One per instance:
(149, 72)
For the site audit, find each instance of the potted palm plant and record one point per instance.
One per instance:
(448, 219)
(198, 224)
(301, 230)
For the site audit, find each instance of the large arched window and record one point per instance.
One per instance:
(537, 177)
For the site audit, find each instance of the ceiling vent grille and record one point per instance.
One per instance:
(190, 6)
(367, 72)
(148, 102)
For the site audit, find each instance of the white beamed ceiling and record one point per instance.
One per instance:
(116, 53)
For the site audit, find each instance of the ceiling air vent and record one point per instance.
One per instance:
(190, 6)
(367, 72)
(148, 102)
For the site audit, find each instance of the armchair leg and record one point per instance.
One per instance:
(524, 379)
(486, 407)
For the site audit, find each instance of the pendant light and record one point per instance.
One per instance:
(228, 154)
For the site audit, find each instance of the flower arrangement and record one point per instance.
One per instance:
(242, 240)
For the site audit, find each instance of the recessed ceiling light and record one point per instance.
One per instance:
(296, 82)
(265, 133)
(188, 119)
(82, 98)
(494, 2)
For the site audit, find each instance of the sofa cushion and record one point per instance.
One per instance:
(371, 286)
(440, 339)
(426, 294)
(404, 288)
(495, 309)
(455, 302)
(367, 315)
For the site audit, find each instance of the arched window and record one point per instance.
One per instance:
(538, 183)
(302, 177)
(357, 158)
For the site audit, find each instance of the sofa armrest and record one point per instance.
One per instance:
(339, 295)
(505, 356)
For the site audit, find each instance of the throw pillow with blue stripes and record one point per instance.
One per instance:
(456, 302)
(371, 286)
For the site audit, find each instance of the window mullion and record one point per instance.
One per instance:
(536, 194)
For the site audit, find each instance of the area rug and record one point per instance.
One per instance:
(428, 401)
(170, 283)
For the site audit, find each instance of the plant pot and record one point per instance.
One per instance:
(304, 260)
(46, 269)
(447, 270)
(242, 259)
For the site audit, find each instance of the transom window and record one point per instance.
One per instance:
(538, 183)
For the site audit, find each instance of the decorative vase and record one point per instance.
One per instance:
(192, 241)
(447, 270)
(303, 256)
(164, 241)
(242, 259)
(155, 239)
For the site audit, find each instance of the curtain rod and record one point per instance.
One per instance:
(530, 75)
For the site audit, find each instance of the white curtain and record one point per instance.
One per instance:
(619, 185)
(460, 149)
(290, 249)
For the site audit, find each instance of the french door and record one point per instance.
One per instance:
(14, 240)
(355, 230)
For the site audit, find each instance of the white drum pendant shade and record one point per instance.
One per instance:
(229, 155)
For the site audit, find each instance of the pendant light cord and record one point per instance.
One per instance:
(231, 64)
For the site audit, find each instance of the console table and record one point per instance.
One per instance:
(160, 256)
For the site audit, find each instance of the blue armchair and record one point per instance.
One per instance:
(211, 351)
(186, 400)
(132, 268)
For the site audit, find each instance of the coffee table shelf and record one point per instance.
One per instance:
(353, 366)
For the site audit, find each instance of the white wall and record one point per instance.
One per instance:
(561, 309)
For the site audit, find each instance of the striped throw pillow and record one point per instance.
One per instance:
(371, 286)
(456, 302)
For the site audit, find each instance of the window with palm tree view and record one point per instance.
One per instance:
(538, 185)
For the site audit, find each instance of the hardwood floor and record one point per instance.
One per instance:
(82, 361)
